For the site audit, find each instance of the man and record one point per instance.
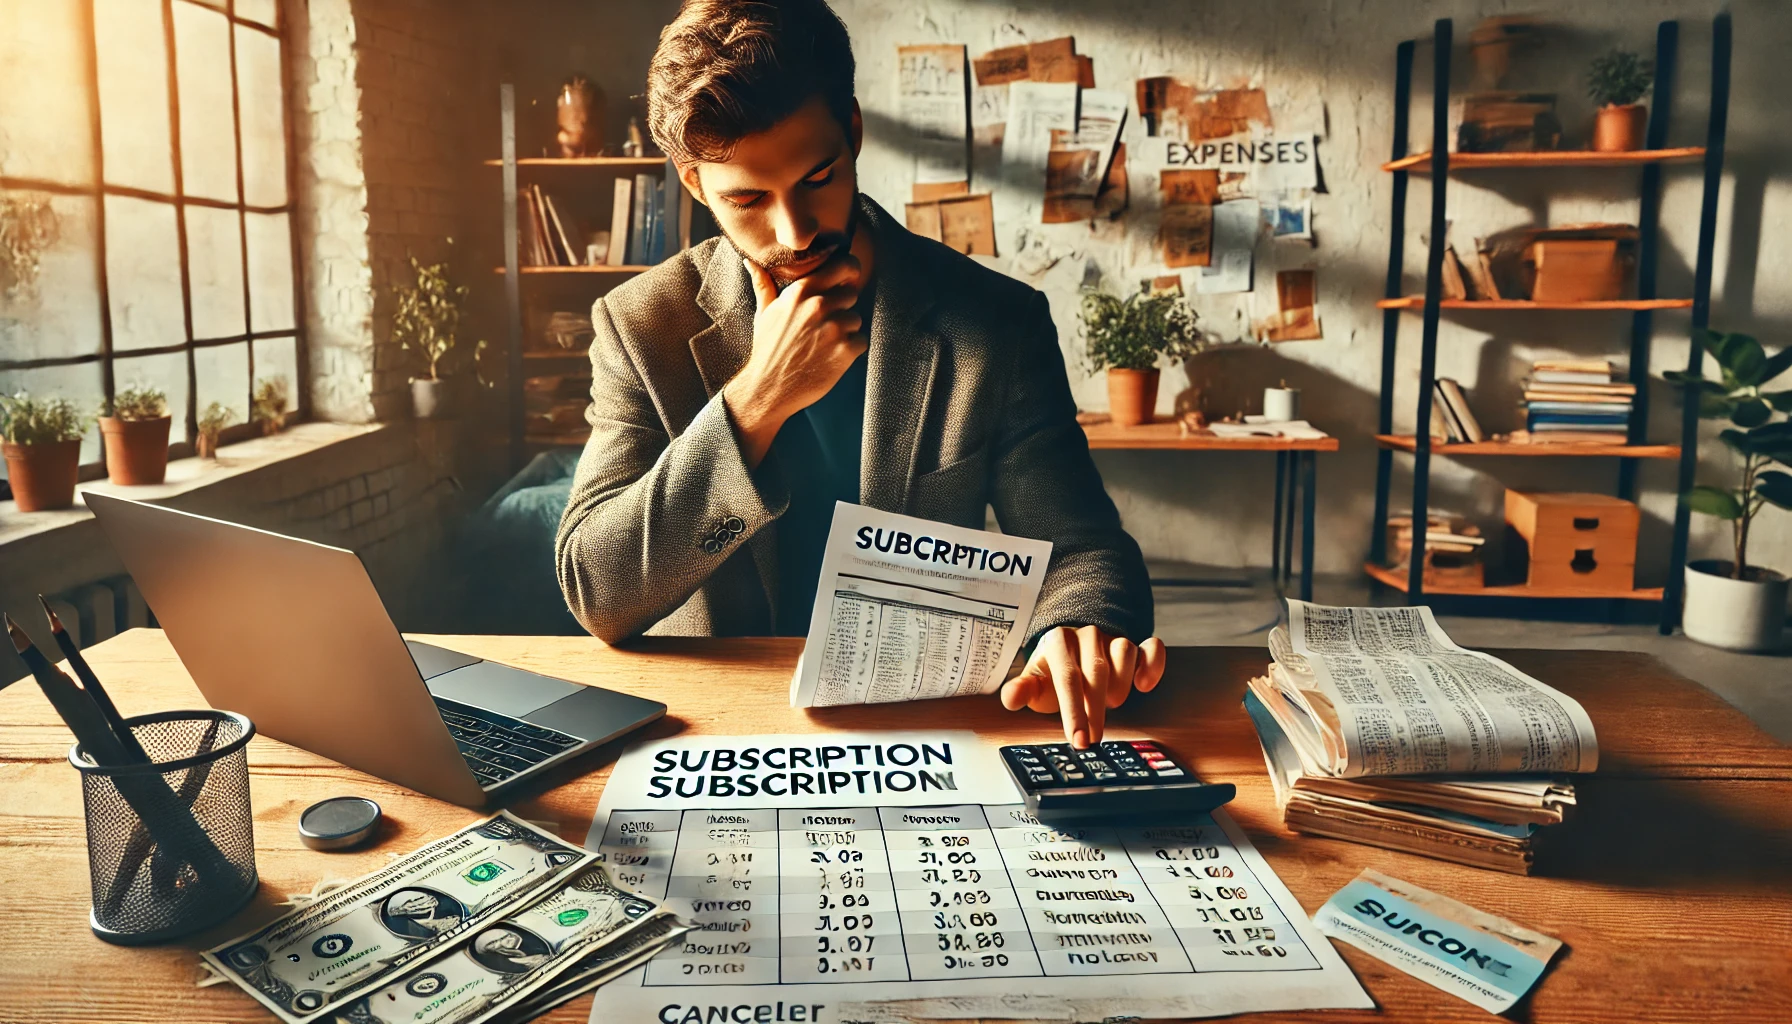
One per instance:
(820, 351)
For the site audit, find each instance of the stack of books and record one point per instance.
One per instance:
(1341, 750)
(1575, 401)
(1451, 418)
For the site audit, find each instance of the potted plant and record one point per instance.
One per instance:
(135, 429)
(1127, 337)
(1734, 604)
(1616, 81)
(267, 406)
(42, 446)
(425, 325)
(212, 423)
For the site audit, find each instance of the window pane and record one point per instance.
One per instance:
(207, 121)
(57, 312)
(143, 274)
(45, 103)
(215, 269)
(80, 383)
(134, 94)
(270, 272)
(168, 372)
(264, 127)
(261, 11)
(278, 357)
(223, 374)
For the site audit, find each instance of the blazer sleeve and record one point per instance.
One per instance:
(1045, 485)
(651, 516)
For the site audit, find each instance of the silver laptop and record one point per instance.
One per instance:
(293, 635)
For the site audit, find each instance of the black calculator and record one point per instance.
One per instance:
(1120, 780)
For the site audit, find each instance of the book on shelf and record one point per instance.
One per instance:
(1377, 728)
(619, 222)
(1570, 420)
(573, 256)
(1590, 408)
(1570, 437)
(637, 230)
(1465, 416)
(1558, 393)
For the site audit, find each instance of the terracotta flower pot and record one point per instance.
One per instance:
(1132, 396)
(136, 450)
(42, 475)
(1619, 129)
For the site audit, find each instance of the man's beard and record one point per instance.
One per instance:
(832, 242)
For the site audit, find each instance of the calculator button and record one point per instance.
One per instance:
(1170, 773)
(1104, 775)
(1136, 773)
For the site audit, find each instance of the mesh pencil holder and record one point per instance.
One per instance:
(171, 843)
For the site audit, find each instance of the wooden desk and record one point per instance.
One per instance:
(1673, 890)
(1296, 471)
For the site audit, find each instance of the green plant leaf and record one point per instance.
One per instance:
(1738, 441)
(1714, 406)
(1709, 340)
(1776, 487)
(1691, 379)
(1743, 359)
(1777, 364)
(1713, 501)
(1750, 412)
(1781, 400)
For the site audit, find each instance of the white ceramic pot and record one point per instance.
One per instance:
(430, 399)
(1741, 615)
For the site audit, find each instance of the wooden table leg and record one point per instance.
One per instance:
(1275, 523)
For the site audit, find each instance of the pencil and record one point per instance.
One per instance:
(158, 810)
(91, 682)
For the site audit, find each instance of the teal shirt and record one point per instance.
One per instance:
(818, 452)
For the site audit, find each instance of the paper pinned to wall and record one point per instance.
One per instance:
(966, 223)
(931, 99)
(1234, 244)
(1053, 60)
(1077, 163)
(1296, 317)
(1035, 110)
(1186, 235)
(994, 70)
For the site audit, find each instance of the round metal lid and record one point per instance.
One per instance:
(339, 822)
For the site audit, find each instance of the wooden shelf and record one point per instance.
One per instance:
(601, 268)
(1417, 302)
(618, 162)
(566, 438)
(1396, 578)
(548, 353)
(1420, 163)
(1407, 443)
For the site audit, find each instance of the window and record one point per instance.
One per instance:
(152, 137)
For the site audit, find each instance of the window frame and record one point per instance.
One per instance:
(178, 201)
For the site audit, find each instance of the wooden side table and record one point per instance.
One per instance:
(1296, 474)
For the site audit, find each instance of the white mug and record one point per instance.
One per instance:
(1281, 404)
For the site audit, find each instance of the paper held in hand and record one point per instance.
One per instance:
(1385, 691)
(908, 609)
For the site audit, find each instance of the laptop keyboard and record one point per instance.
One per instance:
(496, 746)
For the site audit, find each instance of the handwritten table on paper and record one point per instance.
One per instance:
(903, 869)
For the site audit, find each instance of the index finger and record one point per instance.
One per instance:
(1067, 680)
(1098, 674)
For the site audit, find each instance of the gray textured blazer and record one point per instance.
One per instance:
(967, 406)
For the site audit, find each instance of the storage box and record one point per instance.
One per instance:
(1580, 263)
(1575, 542)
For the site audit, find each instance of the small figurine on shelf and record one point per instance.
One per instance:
(580, 113)
(212, 422)
(637, 141)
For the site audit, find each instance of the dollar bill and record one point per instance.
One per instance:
(601, 966)
(321, 956)
(503, 963)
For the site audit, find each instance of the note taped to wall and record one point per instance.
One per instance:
(931, 99)
(908, 609)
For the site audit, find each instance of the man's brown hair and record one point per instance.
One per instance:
(726, 69)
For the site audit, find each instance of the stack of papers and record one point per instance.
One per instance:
(1377, 728)
(1257, 426)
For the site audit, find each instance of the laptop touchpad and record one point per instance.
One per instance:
(500, 688)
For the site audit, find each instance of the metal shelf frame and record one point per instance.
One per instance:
(1402, 166)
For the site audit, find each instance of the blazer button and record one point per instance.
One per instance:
(735, 525)
(712, 546)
